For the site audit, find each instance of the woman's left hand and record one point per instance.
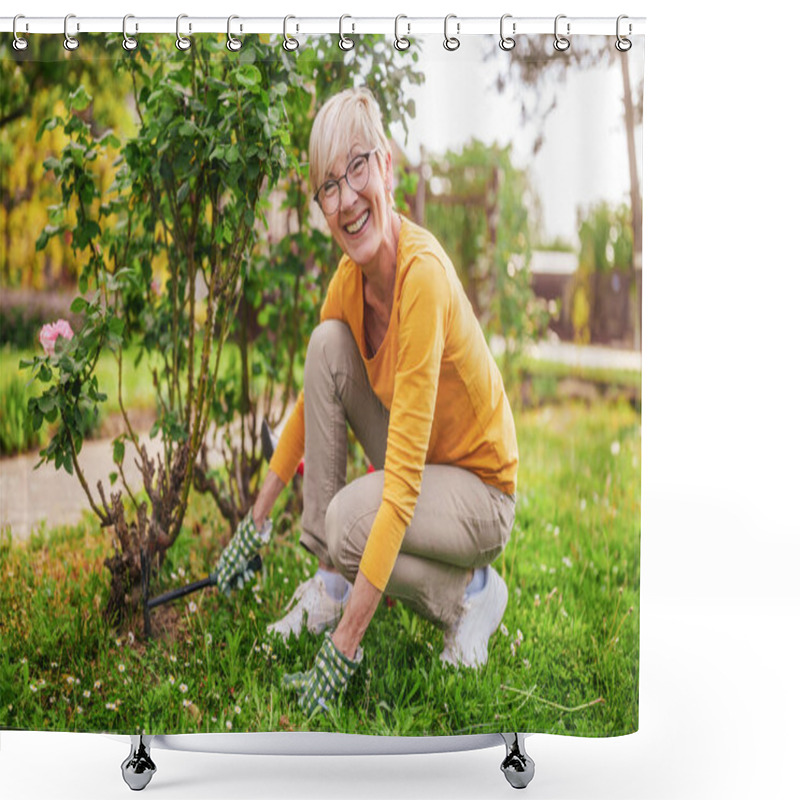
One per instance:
(321, 686)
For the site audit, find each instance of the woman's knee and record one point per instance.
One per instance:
(329, 337)
(348, 522)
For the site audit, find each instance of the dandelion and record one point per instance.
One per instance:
(184, 688)
(121, 667)
(615, 448)
(567, 562)
(192, 607)
(49, 334)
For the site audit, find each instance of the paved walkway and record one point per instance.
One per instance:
(31, 496)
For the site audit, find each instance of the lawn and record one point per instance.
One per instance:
(564, 661)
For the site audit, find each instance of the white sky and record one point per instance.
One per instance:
(584, 156)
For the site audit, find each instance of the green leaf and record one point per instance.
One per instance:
(79, 304)
(247, 75)
(119, 451)
(79, 99)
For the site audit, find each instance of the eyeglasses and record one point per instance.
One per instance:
(329, 195)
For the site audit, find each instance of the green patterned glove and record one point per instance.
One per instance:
(232, 571)
(326, 680)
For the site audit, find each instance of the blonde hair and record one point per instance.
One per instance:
(351, 114)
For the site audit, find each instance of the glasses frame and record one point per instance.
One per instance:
(338, 182)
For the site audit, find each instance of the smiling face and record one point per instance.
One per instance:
(362, 225)
(348, 125)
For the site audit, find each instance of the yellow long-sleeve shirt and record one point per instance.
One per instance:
(435, 375)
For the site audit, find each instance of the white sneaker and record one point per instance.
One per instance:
(466, 643)
(314, 610)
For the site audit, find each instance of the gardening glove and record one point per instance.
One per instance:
(326, 680)
(232, 570)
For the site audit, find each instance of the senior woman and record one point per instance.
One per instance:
(400, 357)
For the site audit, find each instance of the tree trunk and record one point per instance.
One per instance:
(636, 201)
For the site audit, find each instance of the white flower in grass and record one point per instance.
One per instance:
(526, 663)
(213, 719)
(228, 724)
(171, 680)
(79, 709)
(556, 530)
(173, 576)
(184, 688)
(173, 659)
(237, 710)
(187, 703)
(192, 607)
(70, 679)
(33, 687)
(209, 639)
(615, 448)
(54, 665)
(131, 637)
(181, 572)
(98, 684)
(118, 642)
(567, 562)
(23, 661)
(87, 694)
(583, 504)
(121, 667)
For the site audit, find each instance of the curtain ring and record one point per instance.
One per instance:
(401, 42)
(70, 42)
(19, 43)
(128, 42)
(561, 43)
(451, 42)
(233, 44)
(183, 43)
(507, 42)
(623, 44)
(290, 44)
(344, 42)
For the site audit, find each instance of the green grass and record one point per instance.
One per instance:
(572, 567)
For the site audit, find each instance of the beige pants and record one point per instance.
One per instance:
(459, 522)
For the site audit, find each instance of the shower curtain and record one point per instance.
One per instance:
(165, 259)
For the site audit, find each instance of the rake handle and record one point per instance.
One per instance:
(254, 565)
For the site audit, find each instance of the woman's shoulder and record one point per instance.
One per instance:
(417, 242)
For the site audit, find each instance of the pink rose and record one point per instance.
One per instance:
(49, 334)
